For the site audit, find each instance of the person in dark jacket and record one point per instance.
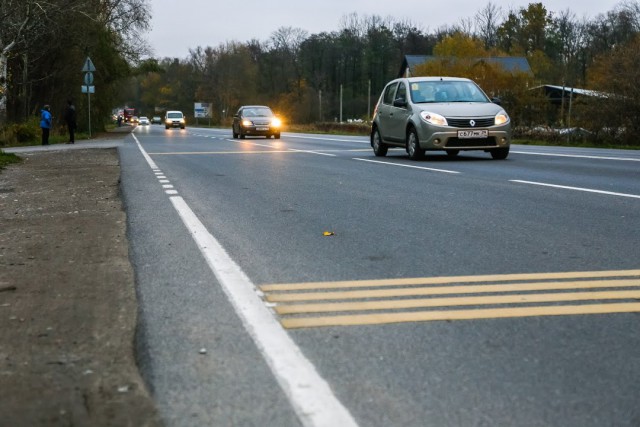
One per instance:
(45, 124)
(70, 119)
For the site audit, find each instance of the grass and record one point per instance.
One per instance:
(7, 159)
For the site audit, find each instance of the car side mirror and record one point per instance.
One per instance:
(400, 102)
(496, 100)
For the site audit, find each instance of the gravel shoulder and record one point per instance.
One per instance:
(67, 295)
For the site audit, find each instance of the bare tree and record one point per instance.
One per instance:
(487, 22)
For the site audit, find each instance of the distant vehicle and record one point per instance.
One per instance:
(144, 121)
(134, 120)
(156, 120)
(128, 113)
(174, 119)
(256, 120)
(439, 113)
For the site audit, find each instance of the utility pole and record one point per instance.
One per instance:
(340, 102)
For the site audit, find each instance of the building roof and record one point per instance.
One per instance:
(566, 91)
(513, 64)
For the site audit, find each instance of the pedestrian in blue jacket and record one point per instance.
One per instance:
(45, 124)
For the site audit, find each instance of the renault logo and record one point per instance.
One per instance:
(472, 123)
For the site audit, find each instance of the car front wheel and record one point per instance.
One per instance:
(500, 153)
(379, 147)
(413, 146)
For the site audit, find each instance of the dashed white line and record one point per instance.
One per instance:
(566, 187)
(405, 166)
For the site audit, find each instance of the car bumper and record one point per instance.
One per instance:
(446, 138)
(260, 130)
(174, 124)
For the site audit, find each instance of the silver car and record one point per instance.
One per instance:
(439, 113)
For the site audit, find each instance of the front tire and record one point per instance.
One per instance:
(379, 147)
(413, 146)
(500, 153)
(276, 135)
(453, 153)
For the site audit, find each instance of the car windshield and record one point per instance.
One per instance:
(174, 115)
(257, 112)
(446, 91)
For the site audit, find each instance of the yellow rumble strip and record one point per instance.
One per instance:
(370, 302)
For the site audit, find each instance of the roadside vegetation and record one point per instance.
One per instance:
(7, 159)
(325, 82)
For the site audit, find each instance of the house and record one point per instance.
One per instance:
(513, 64)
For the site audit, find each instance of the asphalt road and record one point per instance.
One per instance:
(213, 220)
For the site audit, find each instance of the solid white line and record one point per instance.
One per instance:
(405, 166)
(579, 156)
(588, 190)
(310, 395)
(144, 153)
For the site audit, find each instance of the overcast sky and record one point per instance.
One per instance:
(180, 25)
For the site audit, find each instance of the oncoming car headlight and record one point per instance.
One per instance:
(502, 118)
(433, 118)
(247, 123)
(276, 122)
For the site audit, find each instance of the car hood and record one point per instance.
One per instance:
(460, 109)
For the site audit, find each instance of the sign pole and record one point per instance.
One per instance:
(88, 70)
(89, 101)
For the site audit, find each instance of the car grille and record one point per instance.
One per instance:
(261, 122)
(482, 142)
(465, 123)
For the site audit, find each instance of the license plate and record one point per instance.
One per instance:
(262, 128)
(476, 133)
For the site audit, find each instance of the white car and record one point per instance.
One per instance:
(144, 121)
(174, 119)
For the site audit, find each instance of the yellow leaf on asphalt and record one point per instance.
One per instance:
(328, 233)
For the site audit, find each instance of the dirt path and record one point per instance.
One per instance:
(67, 295)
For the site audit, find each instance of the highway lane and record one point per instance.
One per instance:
(269, 202)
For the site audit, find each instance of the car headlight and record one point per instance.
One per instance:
(502, 118)
(182, 121)
(433, 118)
(276, 122)
(247, 123)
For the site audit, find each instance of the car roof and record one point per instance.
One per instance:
(255, 106)
(436, 79)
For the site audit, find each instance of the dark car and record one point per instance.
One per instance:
(439, 113)
(256, 120)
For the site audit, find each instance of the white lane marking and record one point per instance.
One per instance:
(588, 190)
(310, 395)
(151, 163)
(579, 156)
(405, 166)
(312, 152)
(327, 139)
